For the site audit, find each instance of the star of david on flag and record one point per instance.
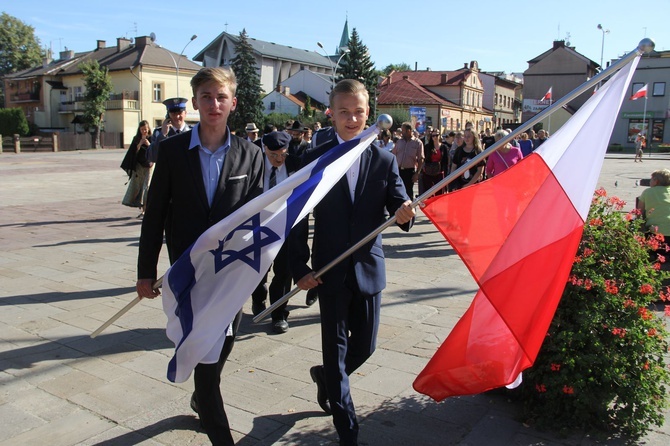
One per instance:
(207, 286)
(251, 255)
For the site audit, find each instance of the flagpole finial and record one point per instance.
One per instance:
(384, 122)
(646, 45)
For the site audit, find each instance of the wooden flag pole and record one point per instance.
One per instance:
(123, 311)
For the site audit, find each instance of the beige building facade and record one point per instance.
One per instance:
(143, 75)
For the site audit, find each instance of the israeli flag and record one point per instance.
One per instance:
(207, 286)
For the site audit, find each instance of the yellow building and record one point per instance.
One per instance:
(453, 99)
(143, 75)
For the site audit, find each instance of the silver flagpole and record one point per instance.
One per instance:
(646, 45)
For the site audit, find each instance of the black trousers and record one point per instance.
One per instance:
(406, 177)
(207, 380)
(349, 325)
(279, 286)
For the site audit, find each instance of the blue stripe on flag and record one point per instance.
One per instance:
(298, 199)
(181, 281)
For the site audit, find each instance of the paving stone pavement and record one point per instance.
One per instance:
(67, 264)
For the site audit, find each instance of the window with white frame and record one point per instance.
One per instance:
(157, 92)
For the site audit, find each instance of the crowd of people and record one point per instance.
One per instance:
(231, 170)
(427, 158)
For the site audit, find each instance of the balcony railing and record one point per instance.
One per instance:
(118, 104)
(26, 97)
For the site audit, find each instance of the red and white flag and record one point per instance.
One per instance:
(641, 93)
(547, 95)
(518, 234)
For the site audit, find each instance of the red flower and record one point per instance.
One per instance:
(555, 367)
(645, 314)
(587, 252)
(621, 332)
(629, 303)
(596, 221)
(601, 192)
(667, 310)
(611, 287)
(540, 388)
(652, 332)
(568, 390)
(646, 366)
(588, 284)
(616, 203)
(646, 289)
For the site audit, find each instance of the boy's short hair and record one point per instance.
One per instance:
(219, 75)
(348, 86)
(406, 125)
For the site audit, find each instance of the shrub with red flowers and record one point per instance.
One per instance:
(602, 366)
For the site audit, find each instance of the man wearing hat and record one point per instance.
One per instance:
(173, 124)
(298, 144)
(252, 132)
(278, 166)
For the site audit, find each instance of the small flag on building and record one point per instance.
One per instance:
(641, 93)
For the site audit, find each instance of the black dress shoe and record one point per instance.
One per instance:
(312, 297)
(257, 308)
(316, 373)
(194, 407)
(194, 403)
(280, 326)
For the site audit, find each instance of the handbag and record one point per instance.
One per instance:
(432, 168)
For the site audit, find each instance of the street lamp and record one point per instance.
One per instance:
(602, 48)
(193, 37)
(175, 62)
(333, 69)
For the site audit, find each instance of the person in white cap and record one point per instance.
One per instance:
(252, 132)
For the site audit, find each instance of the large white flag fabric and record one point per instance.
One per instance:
(206, 287)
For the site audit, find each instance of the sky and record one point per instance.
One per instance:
(442, 36)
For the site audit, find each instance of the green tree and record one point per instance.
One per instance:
(396, 67)
(357, 65)
(98, 88)
(249, 91)
(19, 48)
(308, 110)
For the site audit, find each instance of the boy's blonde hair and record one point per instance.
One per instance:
(348, 86)
(219, 75)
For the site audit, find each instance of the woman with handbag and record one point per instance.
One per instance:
(138, 168)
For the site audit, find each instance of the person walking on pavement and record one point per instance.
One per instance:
(279, 165)
(409, 154)
(350, 292)
(201, 177)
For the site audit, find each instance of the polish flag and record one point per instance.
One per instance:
(518, 234)
(547, 95)
(641, 93)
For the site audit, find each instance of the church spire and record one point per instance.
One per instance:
(344, 40)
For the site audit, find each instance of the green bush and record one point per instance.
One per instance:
(13, 121)
(602, 365)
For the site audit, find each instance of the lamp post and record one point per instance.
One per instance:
(334, 68)
(175, 62)
(193, 37)
(602, 47)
